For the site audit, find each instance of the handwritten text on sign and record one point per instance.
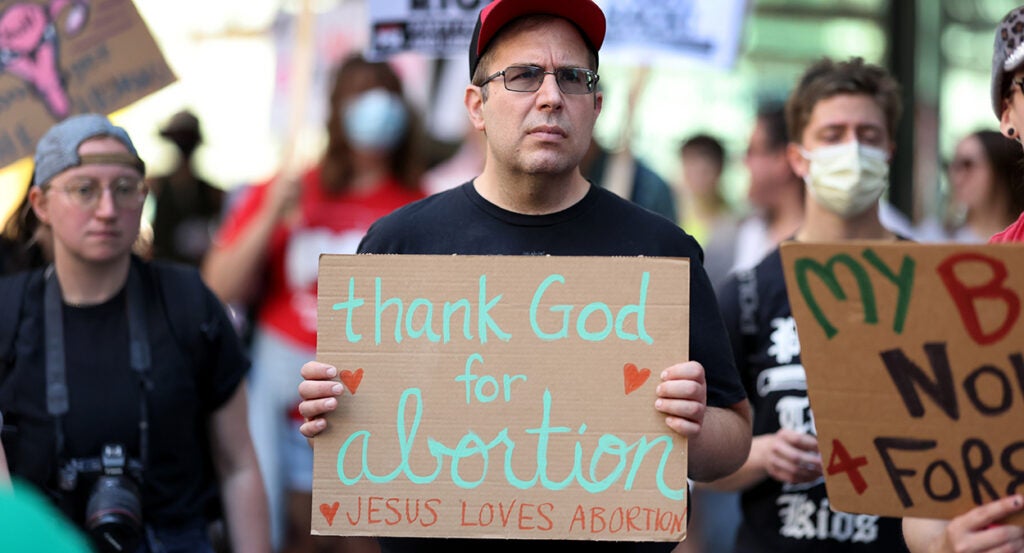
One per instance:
(914, 370)
(501, 397)
(62, 57)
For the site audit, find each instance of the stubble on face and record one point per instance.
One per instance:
(545, 132)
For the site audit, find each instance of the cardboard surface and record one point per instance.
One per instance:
(516, 421)
(63, 57)
(914, 371)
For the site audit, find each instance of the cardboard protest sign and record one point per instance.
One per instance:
(504, 396)
(61, 57)
(440, 28)
(914, 371)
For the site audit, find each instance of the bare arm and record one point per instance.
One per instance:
(719, 438)
(230, 270)
(5, 473)
(974, 531)
(241, 485)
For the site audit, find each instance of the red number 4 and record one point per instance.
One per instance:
(840, 461)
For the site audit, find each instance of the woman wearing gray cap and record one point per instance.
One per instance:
(982, 529)
(120, 380)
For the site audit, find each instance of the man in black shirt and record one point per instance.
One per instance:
(842, 118)
(531, 199)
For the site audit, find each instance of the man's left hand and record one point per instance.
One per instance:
(682, 395)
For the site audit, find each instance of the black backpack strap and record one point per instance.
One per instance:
(12, 294)
(184, 298)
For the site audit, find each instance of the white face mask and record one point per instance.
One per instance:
(847, 178)
(375, 120)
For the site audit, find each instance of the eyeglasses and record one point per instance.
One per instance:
(127, 192)
(529, 78)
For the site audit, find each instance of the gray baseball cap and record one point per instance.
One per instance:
(1007, 54)
(57, 150)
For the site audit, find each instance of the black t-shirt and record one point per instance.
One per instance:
(460, 221)
(777, 517)
(104, 398)
(187, 210)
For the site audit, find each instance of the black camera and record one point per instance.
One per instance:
(113, 512)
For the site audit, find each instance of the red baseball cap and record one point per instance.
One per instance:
(585, 14)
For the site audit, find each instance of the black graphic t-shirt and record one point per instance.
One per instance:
(460, 221)
(777, 517)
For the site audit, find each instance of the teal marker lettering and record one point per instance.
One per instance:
(379, 308)
(535, 303)
(349, 307)
(640, 311)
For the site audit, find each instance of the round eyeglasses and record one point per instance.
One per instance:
(529, 78)
(127, 192)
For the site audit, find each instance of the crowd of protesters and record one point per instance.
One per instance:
(137, 418)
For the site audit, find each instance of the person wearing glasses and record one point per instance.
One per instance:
(1007, 90)
(983, 528)
(121, 383)
(986, 190)
(534, 96)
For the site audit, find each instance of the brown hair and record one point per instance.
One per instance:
(706, 146)
(353, 76)
(828, 78)
(1006, 158)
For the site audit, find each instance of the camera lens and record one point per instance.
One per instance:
(114, 514)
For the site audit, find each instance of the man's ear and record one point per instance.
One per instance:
(598, 102)
(40, 204)
(475, 106)
(797, 162)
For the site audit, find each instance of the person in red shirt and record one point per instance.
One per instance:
(1008, 95)
(982, 528)
(267, 252)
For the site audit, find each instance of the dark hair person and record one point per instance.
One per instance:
(267, 250)
(982, 528)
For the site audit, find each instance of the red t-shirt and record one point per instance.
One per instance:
(1012, 233)
(328, 224)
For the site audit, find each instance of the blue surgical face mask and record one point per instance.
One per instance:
(375, 120)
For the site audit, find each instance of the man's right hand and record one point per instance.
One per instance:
(788, 456)
(319, 392)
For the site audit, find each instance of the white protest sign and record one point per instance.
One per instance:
(437, 27)
(702, 32)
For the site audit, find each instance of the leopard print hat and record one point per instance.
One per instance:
(1007, 54)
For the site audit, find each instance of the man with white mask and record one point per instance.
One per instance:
(842, 118)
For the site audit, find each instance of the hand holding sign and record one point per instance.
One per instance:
(976, 530)
(682, 395)
(319, 393)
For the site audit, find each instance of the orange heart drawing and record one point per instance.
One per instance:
(634, 377)
(351, 380)
(329, 511)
